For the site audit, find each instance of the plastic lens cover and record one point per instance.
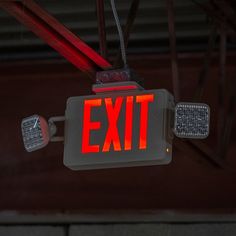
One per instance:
(35, 132)
(192, 120)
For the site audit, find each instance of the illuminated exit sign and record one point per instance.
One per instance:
(122, 125)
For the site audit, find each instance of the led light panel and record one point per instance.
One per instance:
(192, 120)
(35, 132)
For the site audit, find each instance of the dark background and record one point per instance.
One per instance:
(36, 80)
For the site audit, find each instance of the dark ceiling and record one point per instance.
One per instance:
(149, 33)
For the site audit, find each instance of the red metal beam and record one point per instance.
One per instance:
(101, 27)
(208, 153)
(221, 84)
(218, 16)
(229, 122)
(199, 151)
(204, 73)
(56, 35)
(226, 11)
(173, 50)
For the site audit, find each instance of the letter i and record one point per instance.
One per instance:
(128, 122)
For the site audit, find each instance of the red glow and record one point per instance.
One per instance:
(144, 100)
(88, 125)
(112, 135)
(115, 88)
(56, 35)
(128, 122)
(113, 111)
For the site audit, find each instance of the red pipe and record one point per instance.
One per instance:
(56, 35)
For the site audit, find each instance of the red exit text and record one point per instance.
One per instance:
(113, 108)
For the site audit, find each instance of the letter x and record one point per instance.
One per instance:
(112, 135)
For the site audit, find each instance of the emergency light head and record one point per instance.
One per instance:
(35, 132)
(192, 120)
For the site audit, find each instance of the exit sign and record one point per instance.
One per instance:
(122, 125)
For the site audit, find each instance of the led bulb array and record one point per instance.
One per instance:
(192, 120)
(35, 132)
